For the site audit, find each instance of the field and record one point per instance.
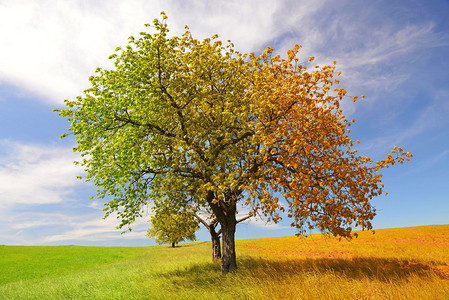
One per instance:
(403, 263)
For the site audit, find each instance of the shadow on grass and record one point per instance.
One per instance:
(186, 245)
(195, 244)
(382, 269)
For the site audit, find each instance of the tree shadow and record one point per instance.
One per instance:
(169, 246)
(380, 269)
(195, 244)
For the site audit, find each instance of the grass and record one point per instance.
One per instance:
(23, 263)
(404, 263)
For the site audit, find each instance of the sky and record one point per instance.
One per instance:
(395, 52)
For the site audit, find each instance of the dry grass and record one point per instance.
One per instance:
(403, 263)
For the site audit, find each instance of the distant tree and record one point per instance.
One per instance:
(172, 227)
(178, 115)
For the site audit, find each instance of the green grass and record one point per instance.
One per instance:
(33, 262)
(408, 263)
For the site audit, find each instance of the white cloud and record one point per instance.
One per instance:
(41, 203)
(374, 51)
(379, 64)
(96, 229)
(51, 48)
(248, 24)
(261, 221)
(44, 228)
(32, 174)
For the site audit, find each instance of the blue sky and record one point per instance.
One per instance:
(394, 52)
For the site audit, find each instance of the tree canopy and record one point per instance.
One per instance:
(197, 121)
(170, 225)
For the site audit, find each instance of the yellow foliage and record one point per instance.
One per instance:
(325, 183)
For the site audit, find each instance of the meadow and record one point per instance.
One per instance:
(402, 263)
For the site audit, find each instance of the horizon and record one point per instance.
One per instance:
(237, 239)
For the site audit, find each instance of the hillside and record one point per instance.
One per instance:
(401, 263)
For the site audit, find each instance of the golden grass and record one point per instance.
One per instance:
(402, 263)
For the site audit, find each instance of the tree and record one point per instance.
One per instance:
(215, 235)
(198, 120)
(172, 226)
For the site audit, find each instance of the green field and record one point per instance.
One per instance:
(404, 263)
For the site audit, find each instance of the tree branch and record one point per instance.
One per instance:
(243, 219)
(201, 220)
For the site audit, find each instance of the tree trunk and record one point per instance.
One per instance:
(228, 261)
(214, 236)
(173, 245)
(224, 212)
(216, 247)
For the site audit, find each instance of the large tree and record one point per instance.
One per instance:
(197, 120)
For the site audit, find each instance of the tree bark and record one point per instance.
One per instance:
(214, 236)
(224, 212)
(173, 245)
(216, 247)
(228, 260)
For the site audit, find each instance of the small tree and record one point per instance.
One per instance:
(182, 116)
(172, 227)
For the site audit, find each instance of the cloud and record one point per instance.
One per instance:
(34, 174)
(248, 24)
(261, 221)
(51, 48)
(42, 201)
(386, 59)
(96, 229)
(374, 51)
(46, 228)
(426, 122)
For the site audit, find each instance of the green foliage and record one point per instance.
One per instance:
(170, 121)
(170, 226)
